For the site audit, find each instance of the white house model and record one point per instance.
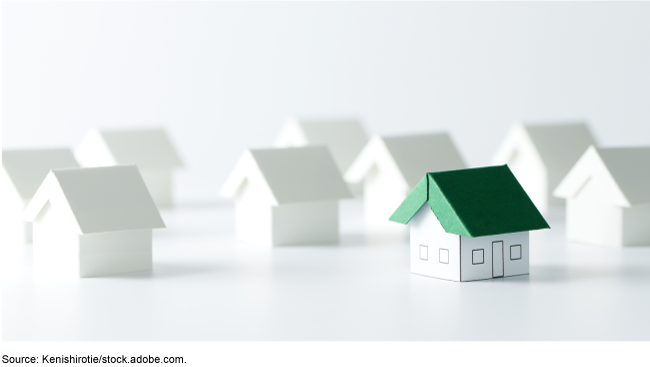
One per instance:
(149, 149)
(23, 171)
(286, 196)
(344, 137)
(540, 155)
(607, 194)
(92, 222)
(389, 167)
(469, 224)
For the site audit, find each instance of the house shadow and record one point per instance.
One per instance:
(173, 270)
(363, 239)
(568, 274)
(198, 204)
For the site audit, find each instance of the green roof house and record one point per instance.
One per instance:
(469, 224)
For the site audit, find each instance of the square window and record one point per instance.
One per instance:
(477, 257)
(424, 253)
(444, 256)
(515, 252)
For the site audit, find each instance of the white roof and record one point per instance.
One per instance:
(147, 148)
(289, 175)
(100, 199)
(628, 169)
(344, 137)
(559, 144)
(412, 155)
(28, 168)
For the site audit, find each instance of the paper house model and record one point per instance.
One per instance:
(286, 196)
(389, 167)
(23, 171)
(469, 224)
(344, 137)
(149, 149)
(92, 222)
(607, 194)
(540, 155)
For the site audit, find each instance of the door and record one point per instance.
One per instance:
(497, 259)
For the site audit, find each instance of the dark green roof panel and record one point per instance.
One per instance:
(474, 202)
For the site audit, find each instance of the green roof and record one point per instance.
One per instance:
(473, 202)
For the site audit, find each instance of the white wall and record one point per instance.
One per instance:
(224, 76)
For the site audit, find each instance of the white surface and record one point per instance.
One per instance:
(98, 199)
(205, 286)
(224, 76)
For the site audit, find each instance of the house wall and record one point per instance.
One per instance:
(159, 184)
(311, 222)
(56, 245)
(252, 216)
(114, 252)
(425, 230)
(13, 230)
(594, 222)
(470, 271)
(636, 225)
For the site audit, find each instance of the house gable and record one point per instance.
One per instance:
(417, 154)
(617, 176)
(290, 175)
(473, 202)
(26, 169)
(344, 137)
(147, 148)
(102, 199)
(375, 158)
(560, 145)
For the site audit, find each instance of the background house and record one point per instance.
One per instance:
(469, 224)
(389, 167)
(344, 137)
(286, 196)
(149, 149)
(540, 155)
(608, 197)
(92, 222)
(23, 171)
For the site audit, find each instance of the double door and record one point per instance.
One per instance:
(497, 259)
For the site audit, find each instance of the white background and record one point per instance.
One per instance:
(224, 76)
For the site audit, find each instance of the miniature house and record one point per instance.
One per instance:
(22, 172)
(150, 149)
(389, 167)
(607, 196)
(344, 137)
(286, 196)
(540, 155)
(92, 222)
(469, 224)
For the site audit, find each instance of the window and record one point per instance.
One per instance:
(444, 256)
(477, 257)
(515, 252)
(424, 253)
